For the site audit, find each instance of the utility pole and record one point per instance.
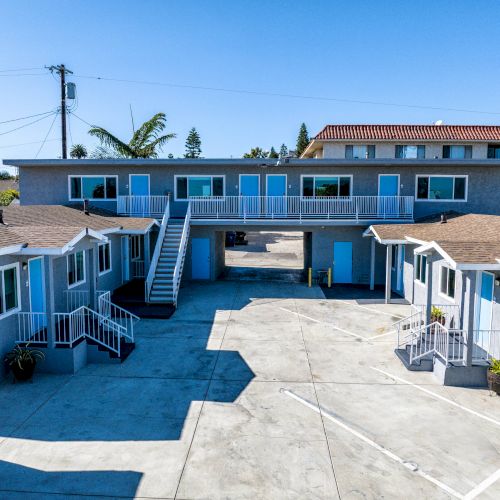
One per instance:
(62, 70)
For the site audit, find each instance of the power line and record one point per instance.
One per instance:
(82, 120)
(26, 143)
(45, 139)
(279, 94)
(26, 117)
(26, 124)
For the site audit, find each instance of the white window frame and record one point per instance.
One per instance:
(247, 175)
(351, 182)
(389, 175)
(432, 200)
(18, 287)
(415, 278)
(440, 293)
(84, 280)
(130, 183)
(199, 175)
(92, 176)
(106, 271)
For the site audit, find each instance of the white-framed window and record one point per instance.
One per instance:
(136, 246)
(199, 185)
(447, 282)
(104, 258)
(9, 289)
(76, 268)
(441, 188)
(394, 257)
(359, 151)
(409, 151)
(92, 187)
(326, 185)
(457, 152)
(420, 268)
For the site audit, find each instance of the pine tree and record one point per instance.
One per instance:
(193, 144)
(273, 153)
(302, 140)
(283, 151)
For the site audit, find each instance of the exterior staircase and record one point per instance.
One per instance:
(163, 281)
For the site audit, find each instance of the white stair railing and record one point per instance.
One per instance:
(84, 322)
(148, 284)
(406, 327)
(423, 340)
(75, 299)
(117, 314)
(179, 265)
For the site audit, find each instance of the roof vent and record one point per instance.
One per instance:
(86, 207)
(444, 220)
(439, 122)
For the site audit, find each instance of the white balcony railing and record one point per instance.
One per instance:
(303, 207)
(142, 206)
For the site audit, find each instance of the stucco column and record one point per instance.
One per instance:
(372, 265)
(469, 313)
(428, 282)
(147, 255)
(388, 266)
(48, 272)
(92, 279)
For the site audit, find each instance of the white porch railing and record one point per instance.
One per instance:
(75, 299)
(117, 314)
(137, 269)
(142, 206)
(148, 283)
(31, 327)
(486, 345)
(302, 207)
(179, 265)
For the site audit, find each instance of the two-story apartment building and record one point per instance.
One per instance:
(350, 178)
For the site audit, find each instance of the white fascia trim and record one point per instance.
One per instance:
(433, 246)
(86, 232)
(478, 267)
(371, 232)
(111, 230)
(414, 240)
(10, 250)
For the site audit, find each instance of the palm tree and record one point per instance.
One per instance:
(145, 142)
(78, 151)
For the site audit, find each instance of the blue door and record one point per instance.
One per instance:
(276, 192)
(37, 293)
(342, 262)
(200, 258)
(388, 190)
(484, 310)
(249, 190)
(139, 189)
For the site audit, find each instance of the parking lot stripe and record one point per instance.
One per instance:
(324, 323)
(437, 396)
(382, 335)
(408, 465)
(482, 486)
(369, 309)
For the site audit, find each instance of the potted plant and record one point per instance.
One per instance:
(493, 376)
(438, 315)
(22, 361)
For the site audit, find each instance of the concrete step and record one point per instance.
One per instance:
(424, 364)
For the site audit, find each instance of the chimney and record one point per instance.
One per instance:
(1, 217)
(444, 220)
(86, 207)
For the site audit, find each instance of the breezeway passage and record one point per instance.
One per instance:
(198, 411)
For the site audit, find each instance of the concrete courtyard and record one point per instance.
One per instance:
(252, 390)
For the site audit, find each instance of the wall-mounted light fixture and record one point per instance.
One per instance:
(25, 266)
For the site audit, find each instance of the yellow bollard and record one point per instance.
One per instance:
(310, 277)
(329, 277)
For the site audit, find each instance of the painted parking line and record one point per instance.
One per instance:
(438, 396)
(369, 309)
(325, 323)
(483, 486)
(408, 465)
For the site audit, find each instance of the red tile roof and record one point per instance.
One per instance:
(411, 132)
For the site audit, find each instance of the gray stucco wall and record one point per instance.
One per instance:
(49, 185)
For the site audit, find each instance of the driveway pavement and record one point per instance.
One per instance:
(252, 390)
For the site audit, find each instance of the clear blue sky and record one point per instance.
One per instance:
(442, 53)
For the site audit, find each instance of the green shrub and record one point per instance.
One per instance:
(7, 196)
(495, 366)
